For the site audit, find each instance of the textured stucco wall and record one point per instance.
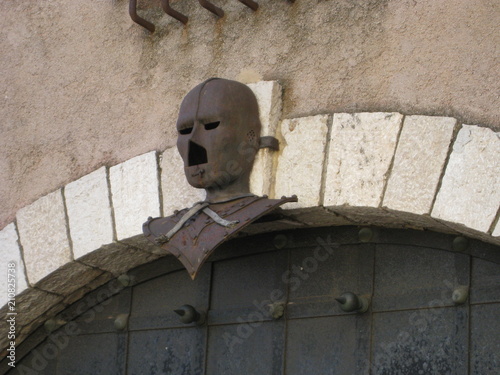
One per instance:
(83, 86)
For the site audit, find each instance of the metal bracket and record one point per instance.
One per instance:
(212, 8)
(132, 10)
(269, 142)
(250, 3)
(165, 4)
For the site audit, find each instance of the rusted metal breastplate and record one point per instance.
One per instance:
(192, 235)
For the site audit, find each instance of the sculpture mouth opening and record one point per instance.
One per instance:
(197, 154)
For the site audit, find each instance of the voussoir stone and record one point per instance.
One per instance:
(469, 193)
(135, 193)
(11, 253)
(117, 258)
(418, 163)
(44, 236)
(68, 278)
(360, 152)
(33, 303)
(300, 165)
(268, 94)
(89, 212)
(88, 287)
(176, 191)
(317, 216)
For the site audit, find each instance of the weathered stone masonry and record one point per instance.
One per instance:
(381, 169)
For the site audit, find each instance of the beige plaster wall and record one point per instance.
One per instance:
(83, 86)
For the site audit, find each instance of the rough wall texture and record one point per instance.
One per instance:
(83, 86)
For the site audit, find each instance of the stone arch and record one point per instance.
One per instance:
(381, 169)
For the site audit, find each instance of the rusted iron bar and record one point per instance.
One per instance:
(132, 10)
(269, 142)
(165, 4)
(212, 8)
(250, 3)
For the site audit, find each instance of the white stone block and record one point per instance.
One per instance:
(268, 95)
(11, 253)
(496, 231)
(176, 191)
(89, 212)
(300, 165)
(361, 149)
(418, 164)
(135, 193)
(469, 192)
(44, 237)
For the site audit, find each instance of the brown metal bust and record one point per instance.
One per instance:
(219, 129)
(218, 139)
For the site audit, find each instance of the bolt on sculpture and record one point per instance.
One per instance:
(218, 139)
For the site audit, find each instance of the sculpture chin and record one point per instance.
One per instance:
(204, 176)
(196, 176)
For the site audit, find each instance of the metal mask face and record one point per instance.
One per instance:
(218, 137)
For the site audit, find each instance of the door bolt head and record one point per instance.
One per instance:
(365, 234)
(121, 322)
(460, 294)
(350, 302)
(188, 314)
(280, 241)
(460, 243)
(277, 310)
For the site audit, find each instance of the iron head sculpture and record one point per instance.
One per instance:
(218, 139)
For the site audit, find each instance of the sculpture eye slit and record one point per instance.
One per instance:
(186, 130)
(211, 125)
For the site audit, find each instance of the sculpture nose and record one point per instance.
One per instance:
(197, 154)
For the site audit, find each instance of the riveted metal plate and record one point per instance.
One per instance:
(99, 354)
(430, 340)
(485, 281)
(319, 274)
(147, 315)
(412, 277)
(179, 351)
(243, 288)
(329, 345)
(101, 317)
(246, 349)
(485, 339)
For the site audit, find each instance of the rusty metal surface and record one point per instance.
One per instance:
(250, 3)
(201, 235)
(269, 142)
(218, 137)
(212, 8)
(132, 10)
(165, 4)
